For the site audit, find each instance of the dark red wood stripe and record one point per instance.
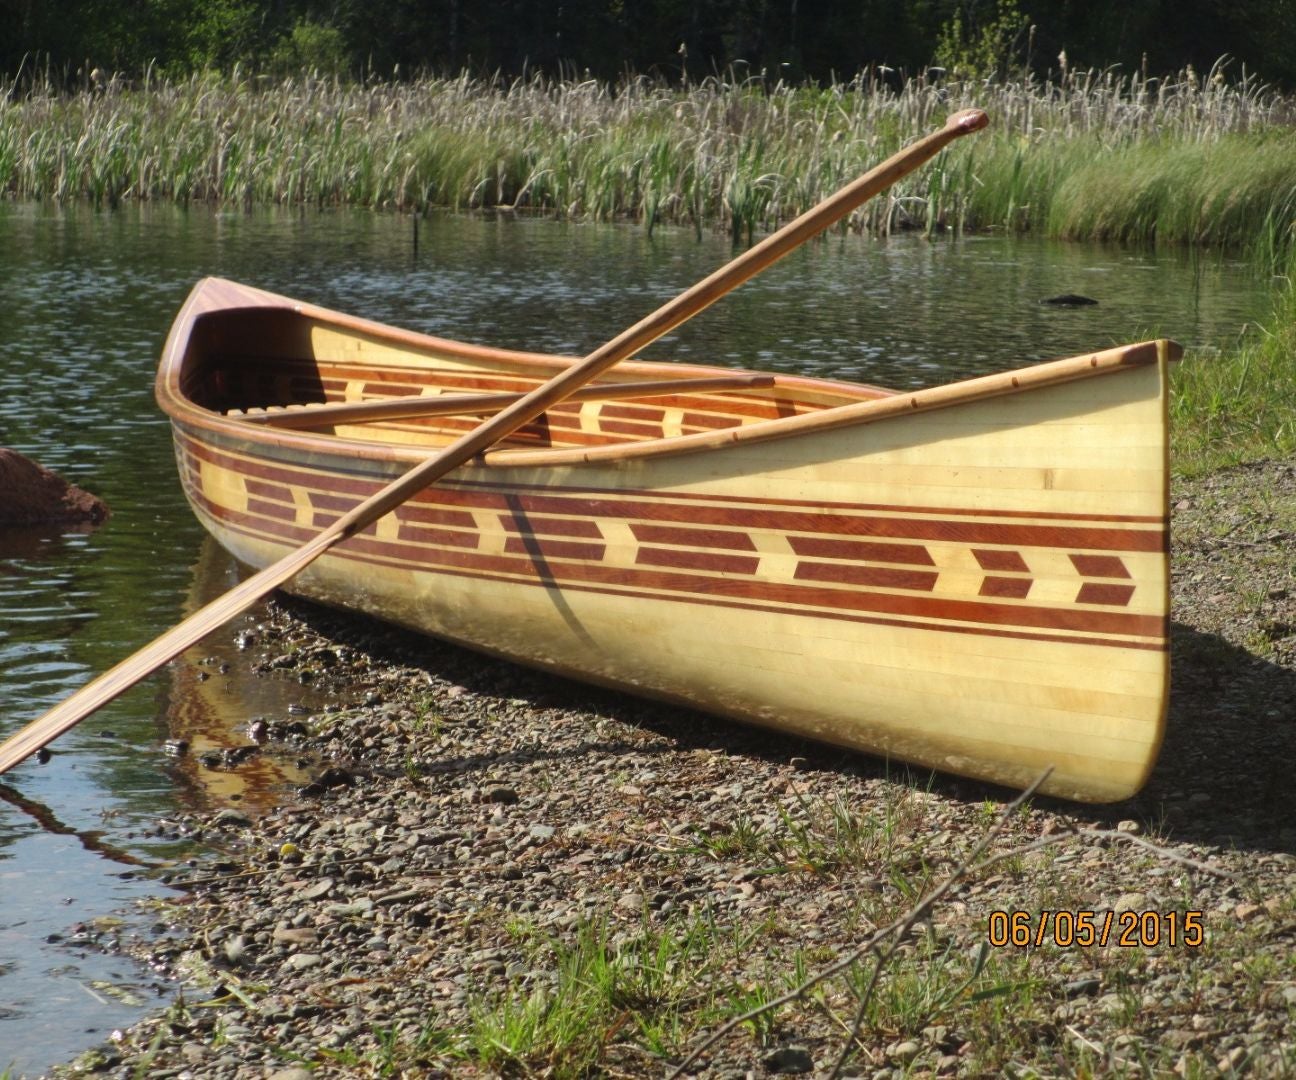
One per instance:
(1092, 592)
(432, 515)
(1015, 588)
(703, 538)
(272, 509)
(416, 534)
(553, 549)
(881, 577)
(539, 525)
(1100, 566)
(861, 550)
(990, 559)
(268, 491)
(688, 559)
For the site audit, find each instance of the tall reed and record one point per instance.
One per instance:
(1189, 159)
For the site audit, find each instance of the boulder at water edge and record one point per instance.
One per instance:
(32, 495)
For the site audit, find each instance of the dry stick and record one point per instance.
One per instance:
(706, 292)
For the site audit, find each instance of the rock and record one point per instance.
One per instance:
(1130, 901)
(789, 1059)
(32, 495)
(904, 1052)
(1085, 987)
(1070, 300)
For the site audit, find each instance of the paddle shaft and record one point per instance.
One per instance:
(193, 629)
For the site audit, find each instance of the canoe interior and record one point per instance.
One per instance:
(254, 360)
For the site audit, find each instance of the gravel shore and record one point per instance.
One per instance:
(496, 872)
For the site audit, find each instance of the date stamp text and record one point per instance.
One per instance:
(1083, 929)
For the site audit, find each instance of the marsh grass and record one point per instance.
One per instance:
(1192, 159)
(1240, 405)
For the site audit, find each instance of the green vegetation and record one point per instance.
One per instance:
(1241, 405)
(1193, 160)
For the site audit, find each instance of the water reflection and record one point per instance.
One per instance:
(217, 694)
(87, 300)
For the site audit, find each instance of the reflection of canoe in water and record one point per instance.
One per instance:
(215, 695)
(971, 578)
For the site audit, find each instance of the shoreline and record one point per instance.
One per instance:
(497, 871)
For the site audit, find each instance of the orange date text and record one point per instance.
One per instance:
(1083, 929)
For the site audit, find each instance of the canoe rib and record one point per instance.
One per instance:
(972, 578)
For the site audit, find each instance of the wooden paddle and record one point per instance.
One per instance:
(202, 622)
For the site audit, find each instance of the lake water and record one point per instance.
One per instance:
(85, 302)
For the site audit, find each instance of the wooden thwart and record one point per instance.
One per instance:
(414, 407)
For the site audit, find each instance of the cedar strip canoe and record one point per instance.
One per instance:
(971, 578)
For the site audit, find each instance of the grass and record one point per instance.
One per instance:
(1187, 159)
(1240, 405)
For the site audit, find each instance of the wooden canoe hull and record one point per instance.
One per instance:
(974, 583)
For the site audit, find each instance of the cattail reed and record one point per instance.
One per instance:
(1187, 159)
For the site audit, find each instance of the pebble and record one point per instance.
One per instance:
(789, 1060)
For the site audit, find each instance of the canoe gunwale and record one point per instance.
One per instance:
(215, 296)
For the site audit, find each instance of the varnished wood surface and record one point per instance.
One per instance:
(972, 578)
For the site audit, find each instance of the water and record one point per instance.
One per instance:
(85, 302)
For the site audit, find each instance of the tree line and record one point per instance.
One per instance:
(793, 40)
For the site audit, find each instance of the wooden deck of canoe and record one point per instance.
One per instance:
(971, 578)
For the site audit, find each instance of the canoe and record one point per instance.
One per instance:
(971, 578)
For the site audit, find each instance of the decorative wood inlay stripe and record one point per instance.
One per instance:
(1096, 630)
(990, 559)
(272, 509)
(434, 515)
(687, 559)
(1100, 566)
(877, 576)
(1093, 592)
(865, 550)
(1015, 588)
(416, 534)
(552, 549)
(704, 538)
(502, 531)
(264, 490)
(529, 525)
